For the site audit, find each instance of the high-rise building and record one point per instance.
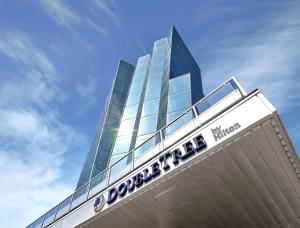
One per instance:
(142, 100)
(165, 156)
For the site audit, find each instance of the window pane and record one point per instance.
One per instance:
(126, 127)
(157, 69)
(112, 123)
(136, 88)
(160, 43)
(133, 99)
(143, 60)
(116, 157)
(118, 99)
(154, 81)
(122, 144)
(172, 116)
(178, 102)
(150, 107)
(143, 138)
(130, 112)
(147, 125)
(139, 74)
(152, 93)
(178, 85)
(116, 110)
(181, 121)
(108, 139)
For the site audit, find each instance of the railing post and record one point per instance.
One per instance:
(55, 213)
(194, 111)
(160, 136)
(43, 220)
(240, 89)
(133, 157)
(196, 115)
(108, 177)
(71, 201)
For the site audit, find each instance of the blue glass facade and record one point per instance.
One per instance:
(107, 129)
(143, 99)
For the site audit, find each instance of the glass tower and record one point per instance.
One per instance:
(142, 100)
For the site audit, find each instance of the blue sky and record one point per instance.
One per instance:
(58, 60)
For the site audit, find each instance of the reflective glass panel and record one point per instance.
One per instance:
(136, 88)
(215, 97)
(98, 179)
(38, 223)
(178, 102)
(172, 116)
(147, 125)
(154, 81)
(122, 144)
(98, 184)
(126, 127)
(133, 99)
(108, 139)
(179, 85)
(130, 112)
(150, 107)
(141, 150)
(80, 196)
(143, 138)
(116, 157)
(50, 216)
(120, 168)
(161, 42)
(156, 69)
(181, 121)
(153, 92)
(63, 207)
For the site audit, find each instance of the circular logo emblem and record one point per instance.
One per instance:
(99, 203)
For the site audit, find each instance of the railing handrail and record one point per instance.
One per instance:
(87, 184)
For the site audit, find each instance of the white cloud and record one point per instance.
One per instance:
(261, 53)
(97, 27)
(66, 16)
(31, 165)
(60, 12)
(19, 47)
(87, 88)
(107, 10)
(39, 76)
(33, 139)
(86, 92)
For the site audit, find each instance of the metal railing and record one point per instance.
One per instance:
(133, 159)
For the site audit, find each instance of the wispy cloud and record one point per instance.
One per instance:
(18, 47)
(86, 90)
(97, 27)
(106, 8)
(65, 15)
(260, 52)
(33, 139)
(40, 77)
(61, 12)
